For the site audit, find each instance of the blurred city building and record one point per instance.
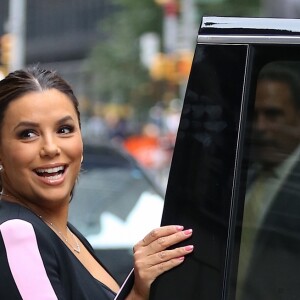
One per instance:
(60, 34)
(58, 30)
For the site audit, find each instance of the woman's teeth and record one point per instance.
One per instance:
(51, 172)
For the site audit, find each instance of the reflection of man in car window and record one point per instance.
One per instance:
(269, 266)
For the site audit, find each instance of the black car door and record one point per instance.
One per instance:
(225, 136)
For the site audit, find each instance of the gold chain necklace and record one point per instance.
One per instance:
(55, 229)
(77, 248)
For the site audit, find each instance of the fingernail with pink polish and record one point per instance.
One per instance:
(188, 231)
(179, 227)
(189, 248)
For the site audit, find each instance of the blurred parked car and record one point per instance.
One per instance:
(115, 204)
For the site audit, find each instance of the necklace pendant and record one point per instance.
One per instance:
(76, 250)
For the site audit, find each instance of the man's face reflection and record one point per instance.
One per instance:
(276, 123)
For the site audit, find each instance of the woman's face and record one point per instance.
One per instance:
(40, 148)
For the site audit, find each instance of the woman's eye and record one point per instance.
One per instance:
(27, 134)
(66, 129)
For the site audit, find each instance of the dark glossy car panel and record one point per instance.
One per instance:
(211, 162)
(201, 177)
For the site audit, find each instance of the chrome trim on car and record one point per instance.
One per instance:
(247, 39)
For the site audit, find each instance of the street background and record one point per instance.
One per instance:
(127, 60)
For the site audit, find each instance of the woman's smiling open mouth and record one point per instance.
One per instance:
(51, 174)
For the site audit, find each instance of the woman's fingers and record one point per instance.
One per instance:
(147, 268)
(152, 256)
(161, 232)
(162, 238)
(167, 255)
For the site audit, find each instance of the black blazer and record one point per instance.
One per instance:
(35, 264)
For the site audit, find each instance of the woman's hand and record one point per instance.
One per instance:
(151, 258)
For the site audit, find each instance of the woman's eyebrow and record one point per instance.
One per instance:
(34, 124)
(26, 124)
(64, 119)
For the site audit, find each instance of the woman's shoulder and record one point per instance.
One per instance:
(24, 234)
(17, 219)
(26, 249)
(18, 222)
(9, 212)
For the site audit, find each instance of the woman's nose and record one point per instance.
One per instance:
(49, 148)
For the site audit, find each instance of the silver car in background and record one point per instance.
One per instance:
(115, 204)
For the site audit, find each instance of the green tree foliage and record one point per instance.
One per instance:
(115, 61)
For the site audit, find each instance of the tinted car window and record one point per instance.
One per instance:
(269, 258)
